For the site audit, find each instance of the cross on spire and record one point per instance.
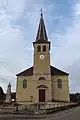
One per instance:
(41, 12)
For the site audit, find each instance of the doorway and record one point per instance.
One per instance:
(41, 95)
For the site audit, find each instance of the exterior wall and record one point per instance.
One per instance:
(42, 65)
(61, 94)
(23, 95)
(46, 82)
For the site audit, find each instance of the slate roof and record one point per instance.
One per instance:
(54, 71)
(41, 34)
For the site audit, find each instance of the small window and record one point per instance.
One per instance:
(38, 48)
(41, 78)
(59, 83)
(44, 48)
(24, 83)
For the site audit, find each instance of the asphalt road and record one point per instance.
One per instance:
(73, 114)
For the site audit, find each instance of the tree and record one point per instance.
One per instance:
(1, 94)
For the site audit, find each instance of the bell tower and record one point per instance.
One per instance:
(41, 51)
(41, 66)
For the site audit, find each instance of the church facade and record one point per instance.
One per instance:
(42, 82)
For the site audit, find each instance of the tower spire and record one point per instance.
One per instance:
(41, 34)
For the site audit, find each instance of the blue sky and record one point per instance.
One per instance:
(18, 27)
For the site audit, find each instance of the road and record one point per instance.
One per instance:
(69, 115)
(72, 114)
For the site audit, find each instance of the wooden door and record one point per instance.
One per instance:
(42, 95)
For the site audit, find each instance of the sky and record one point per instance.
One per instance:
(19, 21)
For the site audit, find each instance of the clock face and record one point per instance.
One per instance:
(41, 56)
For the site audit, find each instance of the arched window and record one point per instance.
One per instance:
(41, 78)
(44, 48)
(38, 48)
(24, 83)
(59, 83)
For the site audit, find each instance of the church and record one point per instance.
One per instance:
(42, 82)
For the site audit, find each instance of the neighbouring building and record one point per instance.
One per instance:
(42, 82)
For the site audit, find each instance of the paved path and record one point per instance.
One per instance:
(72, 114)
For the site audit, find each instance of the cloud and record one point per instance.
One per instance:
(68, 43)
(65, 52)
(12, 50)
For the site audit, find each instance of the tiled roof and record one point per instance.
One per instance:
(54, 71)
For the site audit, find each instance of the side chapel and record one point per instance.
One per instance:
(42, 82)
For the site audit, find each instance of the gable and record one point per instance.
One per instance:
(54, 71)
